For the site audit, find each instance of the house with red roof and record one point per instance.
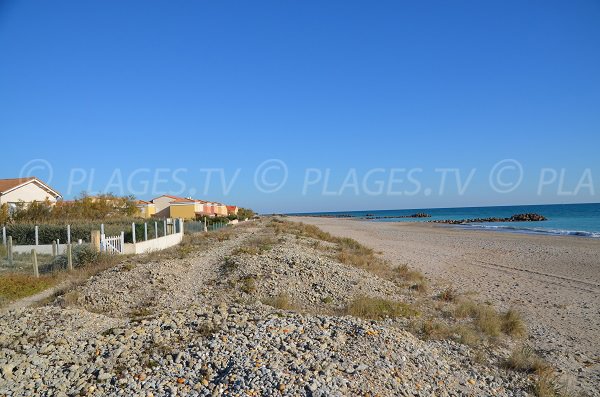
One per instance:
(26, 190)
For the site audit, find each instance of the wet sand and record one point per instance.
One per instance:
(553, 280)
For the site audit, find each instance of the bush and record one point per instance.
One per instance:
(83, 255)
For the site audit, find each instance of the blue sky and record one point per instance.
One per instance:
(100, 89)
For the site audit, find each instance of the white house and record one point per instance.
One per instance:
(26, 190)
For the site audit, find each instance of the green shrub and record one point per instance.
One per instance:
(82, 255)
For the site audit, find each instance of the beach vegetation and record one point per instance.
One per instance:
(248, 285)
(281, 301)
(404, 272)
(524, 359)
(378, 308)
(421, 287)
(229, 264)
(513, 324)
(15, 286)
(255, 246)
(448, 295)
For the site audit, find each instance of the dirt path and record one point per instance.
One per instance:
(554, 281)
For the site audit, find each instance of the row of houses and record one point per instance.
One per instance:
(167, 206)
(30, 189)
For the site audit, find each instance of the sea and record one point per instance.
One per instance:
(581, 220)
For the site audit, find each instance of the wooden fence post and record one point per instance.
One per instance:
(54, 249)
(145, 231)
(133, 232)
(68, 234)
(4, 236)
(9, 253)
(205, 227)
(155, 229)
(122, 242)
(165, 226)
(36, 271)
(95, 240)
(102, 228)
(181, 225)
(69, 257)
(37, 235)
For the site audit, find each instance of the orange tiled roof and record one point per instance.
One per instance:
(8, 184)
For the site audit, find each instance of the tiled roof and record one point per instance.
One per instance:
(8, 184)
(169, 196)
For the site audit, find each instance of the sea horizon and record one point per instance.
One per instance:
(581, 219)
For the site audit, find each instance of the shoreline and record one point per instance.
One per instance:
(579, 234)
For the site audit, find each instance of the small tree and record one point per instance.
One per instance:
(4, 214)
(245, 213)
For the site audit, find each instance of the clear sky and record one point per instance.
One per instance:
(142, 96)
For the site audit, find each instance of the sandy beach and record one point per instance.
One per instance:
(553, 281)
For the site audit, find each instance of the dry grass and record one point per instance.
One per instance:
(281, 301)
(467, 335)
(524, 359)
(435, 329)
(545, 382)
(248, 285)
(484, 316)
(70, 299)
(548, 385)
(513, 325)
(448, 295)
(421, 287)
(255, 246)
(405, 273)
(378, 308)
(229, 265)
(432, 329)
(15, 286)
(140, 312)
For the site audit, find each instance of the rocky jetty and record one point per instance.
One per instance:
(417, 215)
(531, 217)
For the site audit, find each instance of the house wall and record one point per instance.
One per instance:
(185, 211)
(27, 193)
(146, 211)
(221, 210)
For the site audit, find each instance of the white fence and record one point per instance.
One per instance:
(112, 245)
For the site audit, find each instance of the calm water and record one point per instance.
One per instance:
(563, 219)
